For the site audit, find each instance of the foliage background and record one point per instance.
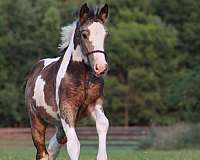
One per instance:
(153, 51)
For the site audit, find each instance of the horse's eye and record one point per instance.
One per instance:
(84, 35)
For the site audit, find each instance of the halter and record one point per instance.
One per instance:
(95, 51)
(79, 40)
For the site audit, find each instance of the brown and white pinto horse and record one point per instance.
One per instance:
(61, 90)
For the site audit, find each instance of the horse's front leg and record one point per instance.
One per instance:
(68, 117)
(102, 125)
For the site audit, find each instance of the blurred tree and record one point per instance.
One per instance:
(140, 48)
(182, 97)
(153, 53)
(26, 34)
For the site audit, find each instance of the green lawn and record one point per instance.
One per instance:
(27, 153)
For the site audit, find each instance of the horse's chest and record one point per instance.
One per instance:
(94, 91)
(81, 90)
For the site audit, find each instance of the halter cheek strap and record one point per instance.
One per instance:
(78, 40)
(87, 54)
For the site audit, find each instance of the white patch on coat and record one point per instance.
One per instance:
(64, 64)
(48, 61)
(77, 54)
(40, 98)
(53, 148)
(97, 36)
(102, 125)
(73, 144)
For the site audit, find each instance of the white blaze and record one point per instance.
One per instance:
(39, 97)
(97, 36)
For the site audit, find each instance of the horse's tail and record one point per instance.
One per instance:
(25, 81)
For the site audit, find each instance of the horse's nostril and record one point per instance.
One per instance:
(96, 68)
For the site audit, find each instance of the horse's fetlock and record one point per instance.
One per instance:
(43, 156)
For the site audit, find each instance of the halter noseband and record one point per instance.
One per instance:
(78, 40)
(87, 54)
(95, 51)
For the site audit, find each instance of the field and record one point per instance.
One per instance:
(17, 145)
(23, 150)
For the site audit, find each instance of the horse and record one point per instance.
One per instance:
(60, 91)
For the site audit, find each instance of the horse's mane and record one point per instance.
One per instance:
(66, 34)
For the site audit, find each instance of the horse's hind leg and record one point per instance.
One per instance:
(56, 142)
(38, 129)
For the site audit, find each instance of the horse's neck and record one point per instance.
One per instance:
(77, 55)
(77, 62)
(71, 60)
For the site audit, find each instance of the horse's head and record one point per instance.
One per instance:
(90, 35)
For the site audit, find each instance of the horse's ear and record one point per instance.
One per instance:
(83, 14)
(103, 14)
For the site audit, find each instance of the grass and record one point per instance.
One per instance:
(15, 150)
(113, 153)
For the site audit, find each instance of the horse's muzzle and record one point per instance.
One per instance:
(100, 69)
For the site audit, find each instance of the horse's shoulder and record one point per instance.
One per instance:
(50, 67)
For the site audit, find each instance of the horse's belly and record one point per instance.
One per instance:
(46, 111)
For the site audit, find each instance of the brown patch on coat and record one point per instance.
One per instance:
(61, 137)
(38, 129)
(94, 90)
(30, 84)
(62, 140)
(72, 91)
(78, 90)
(45, 116)
(48, 74)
